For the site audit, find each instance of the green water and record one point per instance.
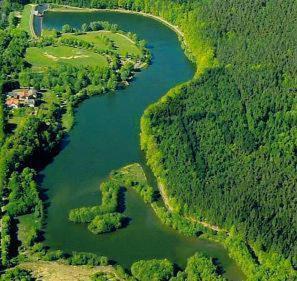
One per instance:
(106, 137)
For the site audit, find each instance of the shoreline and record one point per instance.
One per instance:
(167, 204)
(66, 8)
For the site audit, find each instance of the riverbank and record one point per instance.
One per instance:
(170, 207)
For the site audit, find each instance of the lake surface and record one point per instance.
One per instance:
(106, 137)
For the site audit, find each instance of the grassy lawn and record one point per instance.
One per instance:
(123, 44)
(27, 223)
(132, 172)
(48, 32)
(27, 19)
(51, 56)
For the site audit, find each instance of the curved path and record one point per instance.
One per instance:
(106, 137)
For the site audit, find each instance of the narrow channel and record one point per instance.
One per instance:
(106, 137)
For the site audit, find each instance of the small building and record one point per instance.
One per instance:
(12, 103)
(21, 97)
(24, 93)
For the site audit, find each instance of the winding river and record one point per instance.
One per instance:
(106, 137)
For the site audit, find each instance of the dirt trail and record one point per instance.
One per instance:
(64, 58)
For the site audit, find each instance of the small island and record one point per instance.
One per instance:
(108, 216)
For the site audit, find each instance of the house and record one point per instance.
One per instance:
(24, 93)
(21, 97)
(12, 103)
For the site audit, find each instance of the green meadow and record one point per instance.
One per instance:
(51, 56)
(42, 57)
(123, 44)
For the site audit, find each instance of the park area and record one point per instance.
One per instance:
(52, 55)
(91, 49)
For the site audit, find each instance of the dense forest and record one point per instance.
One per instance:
(227, 140)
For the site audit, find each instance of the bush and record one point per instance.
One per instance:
(106, 223)
(16, 274)
(82, 258)
(156, 270)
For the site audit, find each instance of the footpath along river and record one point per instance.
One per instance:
(106, 137)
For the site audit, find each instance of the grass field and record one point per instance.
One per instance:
(51, 56)
(123, 44)
(27, 18)
(133, 172)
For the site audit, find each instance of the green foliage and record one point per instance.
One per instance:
(16, 274)
(224, 145)
(233, 129)
(28, 228)
(110, 197)
(155, 270)
(106, 223)
(133, 176)
(82, 258)
(68, 118)
(13, 44)
(99, 25)
(5, 240)
(254, 262)
(6, 8)
(35, 136)
(53, 255)
(200, 267)
(100, 276)
(179, 222)
(66, 28)
(105, 218)
(2, 114)
(147, 192)
(23, 194)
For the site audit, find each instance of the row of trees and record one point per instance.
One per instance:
(2, 114)
(5, 240)
(199, 267)
(179, 222)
